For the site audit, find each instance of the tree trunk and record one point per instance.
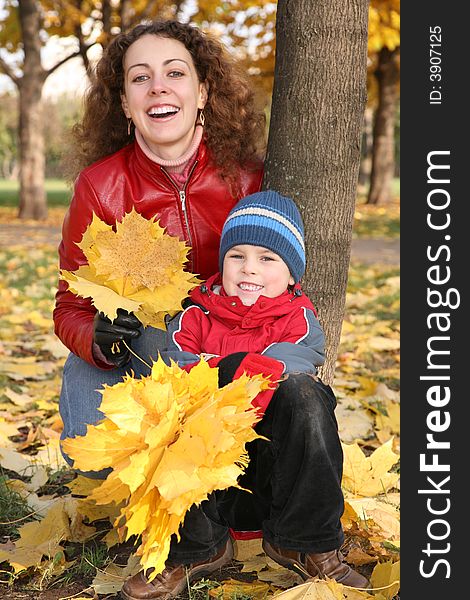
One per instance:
(31, 134)
(383, 151)
(313, 154)
(366, 149)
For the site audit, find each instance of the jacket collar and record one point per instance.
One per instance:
(231, 310)
(152, 168)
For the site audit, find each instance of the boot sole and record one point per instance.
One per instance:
(193, 574)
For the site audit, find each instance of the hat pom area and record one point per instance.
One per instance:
(270, 220)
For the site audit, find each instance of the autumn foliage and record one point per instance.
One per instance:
(138, 268)
(171, 439)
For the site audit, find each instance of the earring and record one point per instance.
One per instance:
(129, 122)
(201, 119)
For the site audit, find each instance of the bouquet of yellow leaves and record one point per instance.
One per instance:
(138, 267)
(171, 439)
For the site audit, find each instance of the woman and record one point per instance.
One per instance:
(170, 128)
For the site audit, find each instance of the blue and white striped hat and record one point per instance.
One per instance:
(269, 220)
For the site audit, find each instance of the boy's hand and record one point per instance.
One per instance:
(228, 367)
(107, 335)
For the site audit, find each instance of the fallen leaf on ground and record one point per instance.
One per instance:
(111, 579)
(357, 556)
(320, 589)
(244, 549)
(383, 343)
(369, 476)
(386, 578)
(353, 423)
(14, 461)
(232, 588)
(385, 516)
(280, 577)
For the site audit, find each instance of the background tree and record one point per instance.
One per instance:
(384, 53)
(8, 142)
(249, 28)
(22, 35)
(314, 139)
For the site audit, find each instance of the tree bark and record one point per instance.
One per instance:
(366, 148)
(383, 151)
(313, 153)
(33, 203)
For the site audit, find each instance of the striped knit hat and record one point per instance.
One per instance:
(269, 220)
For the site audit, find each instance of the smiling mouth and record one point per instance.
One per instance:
(160, 112)
(250, 287)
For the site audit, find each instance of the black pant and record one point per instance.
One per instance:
(295, 479)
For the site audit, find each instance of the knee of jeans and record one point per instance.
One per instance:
(90, 474)
(300, 394)
(147, 347)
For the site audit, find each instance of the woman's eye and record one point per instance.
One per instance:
(175, 74)
(140, 78)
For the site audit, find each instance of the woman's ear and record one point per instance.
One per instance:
(125, 106)
(203, 94)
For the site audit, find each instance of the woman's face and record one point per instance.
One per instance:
(162, 93)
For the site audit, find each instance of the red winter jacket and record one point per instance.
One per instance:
(281, 335)
(128, 179)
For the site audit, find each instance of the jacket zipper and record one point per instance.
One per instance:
(182, 196)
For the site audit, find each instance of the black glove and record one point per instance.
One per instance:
(228, 367)
(107, 335)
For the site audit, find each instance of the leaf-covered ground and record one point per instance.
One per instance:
(51, 538)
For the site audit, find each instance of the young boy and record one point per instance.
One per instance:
(253, 317)
(255, 304)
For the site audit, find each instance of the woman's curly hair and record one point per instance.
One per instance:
(234, 127)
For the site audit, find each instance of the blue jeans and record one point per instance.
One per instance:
(80, 400)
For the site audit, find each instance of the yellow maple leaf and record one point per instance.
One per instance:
(386, 577)
(390, 420)
(41, 538)
(383, 518)
(328, 589)
(138, 267)
(369, 476)
(232, 588)
(171, 439)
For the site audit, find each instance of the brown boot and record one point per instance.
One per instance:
(322, 564)
(173, 579)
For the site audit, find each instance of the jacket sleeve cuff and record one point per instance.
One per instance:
(100, 359)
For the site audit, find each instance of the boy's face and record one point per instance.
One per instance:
(253, 271)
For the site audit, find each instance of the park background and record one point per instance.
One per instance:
(66, 548)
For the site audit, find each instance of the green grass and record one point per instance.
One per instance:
(91, 557)
(14, 510)
(58, 192)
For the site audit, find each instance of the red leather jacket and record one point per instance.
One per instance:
(114, 185)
